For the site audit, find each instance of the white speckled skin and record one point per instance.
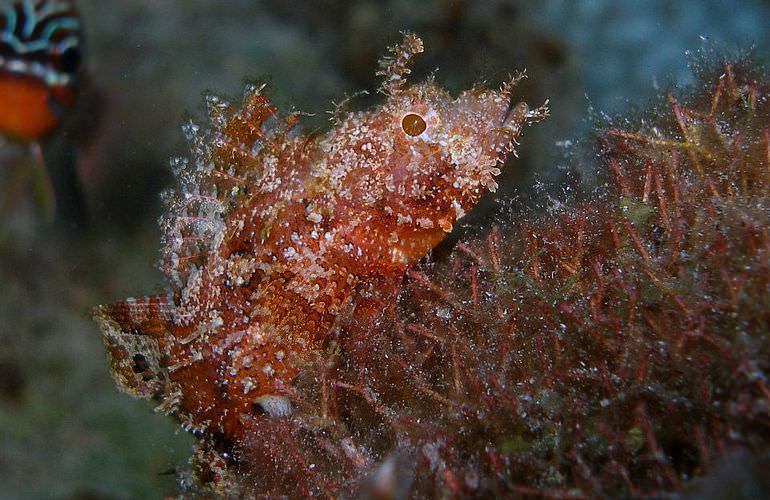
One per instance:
(271, 235)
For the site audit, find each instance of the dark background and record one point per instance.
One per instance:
(65, 431)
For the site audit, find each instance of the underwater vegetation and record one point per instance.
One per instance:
(614, 344)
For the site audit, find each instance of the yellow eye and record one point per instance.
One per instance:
(413, 124)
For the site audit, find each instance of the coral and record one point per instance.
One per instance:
(273, 239)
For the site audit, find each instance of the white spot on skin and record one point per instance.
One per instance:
(425, 223)
(459, 212)
(289, 253)
(398, 256)
(248, 385)
(312, 215)
(274, 405)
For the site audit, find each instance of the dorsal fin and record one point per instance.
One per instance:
(224, 166)
(135, 333)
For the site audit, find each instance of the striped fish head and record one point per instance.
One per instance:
(40, 48)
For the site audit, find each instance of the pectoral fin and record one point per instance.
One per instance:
(135, 333)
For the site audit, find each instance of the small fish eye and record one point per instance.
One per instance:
(413, 124)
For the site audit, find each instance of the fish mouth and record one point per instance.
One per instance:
(522, 114)
(504, 138)
(512, 109)
(517, 116)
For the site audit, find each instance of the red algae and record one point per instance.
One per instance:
(616, 346)
(274, 240)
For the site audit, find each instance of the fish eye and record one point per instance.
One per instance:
(413, 124)
(69, 60)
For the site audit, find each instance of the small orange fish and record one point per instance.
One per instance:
(40, 43)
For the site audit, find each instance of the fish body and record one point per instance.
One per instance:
(272, 237)
(40, 45)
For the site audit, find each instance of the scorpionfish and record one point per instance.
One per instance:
(272, 236)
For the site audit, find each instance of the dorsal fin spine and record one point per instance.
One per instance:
(223, 158)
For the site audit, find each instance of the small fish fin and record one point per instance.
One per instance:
(225, 164)
(394, 68)
(135, 332)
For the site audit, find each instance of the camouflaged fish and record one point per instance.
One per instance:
(270, 235)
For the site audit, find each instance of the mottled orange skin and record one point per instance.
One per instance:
(28, 108)
(273, 237)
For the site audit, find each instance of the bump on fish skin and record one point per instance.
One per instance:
(271, 236)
